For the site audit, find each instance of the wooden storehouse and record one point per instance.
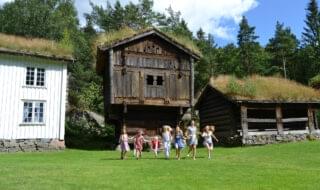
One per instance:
(259, 110)
(148, 79)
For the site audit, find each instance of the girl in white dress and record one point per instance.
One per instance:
(207, 138)
(192, 139)
(166, 138)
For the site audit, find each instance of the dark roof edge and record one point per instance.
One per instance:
(39, 55)
(147, 33)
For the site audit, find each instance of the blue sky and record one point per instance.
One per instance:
(221, 17)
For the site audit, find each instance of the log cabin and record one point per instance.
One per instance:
(148, 79)
(259, 110)
(33, 82)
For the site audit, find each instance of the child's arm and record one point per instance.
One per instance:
(214, 137)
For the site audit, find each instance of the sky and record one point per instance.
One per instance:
(221, 17)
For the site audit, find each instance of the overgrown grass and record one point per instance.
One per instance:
(35, 45)
(282, 166)
(106, 39)
(264, 88)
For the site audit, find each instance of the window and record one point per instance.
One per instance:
(30, 76)
(157, 79)
(149, 79)
(33, 112)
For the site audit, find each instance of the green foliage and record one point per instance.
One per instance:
(38, 18)
(315, 81)
(233, 87)
(92, 97)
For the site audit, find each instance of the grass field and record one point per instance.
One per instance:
(283, 166)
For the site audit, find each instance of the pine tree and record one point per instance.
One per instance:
(282, 47)
(311, 34)
(247, 46)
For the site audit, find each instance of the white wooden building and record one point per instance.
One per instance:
(33, 100)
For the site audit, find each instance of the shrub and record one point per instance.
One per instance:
(315, 81)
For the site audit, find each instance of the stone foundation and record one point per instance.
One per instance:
(273, 139)
(30, 145)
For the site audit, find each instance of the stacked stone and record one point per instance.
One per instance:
(30, 145)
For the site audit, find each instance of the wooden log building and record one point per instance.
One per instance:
(259, 110)
(148, 80)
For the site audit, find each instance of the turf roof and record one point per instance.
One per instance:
(259, 88)
(109, 39)
(34, 47)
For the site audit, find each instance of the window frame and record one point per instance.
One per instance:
(35, 77)
(34, 120)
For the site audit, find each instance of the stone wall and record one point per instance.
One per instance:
(272, 139)
(30, 145)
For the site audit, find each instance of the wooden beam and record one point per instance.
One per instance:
(311, 120)
(258, 120)
(279, 120)
(192, 82)
(111, 62)
(244, 121)
(291, 120)
(141, 85)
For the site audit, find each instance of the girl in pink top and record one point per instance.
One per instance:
(138, 144)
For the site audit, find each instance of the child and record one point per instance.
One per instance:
(138, 144)
(166, 137)
(124, 145)
(155, 145)
(178, 142)
(192, 138)
(207, 135)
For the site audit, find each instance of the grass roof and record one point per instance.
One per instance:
(35, 46)
(110, 38)
(264, 89)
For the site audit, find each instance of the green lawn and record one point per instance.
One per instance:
(283, 166)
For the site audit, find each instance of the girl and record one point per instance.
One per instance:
(155, 145)
(138, 144)
(192, 138)
(166, 137)
(178, 142)
(124, 145)
(208, 135)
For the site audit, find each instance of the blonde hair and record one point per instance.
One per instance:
(212, 128)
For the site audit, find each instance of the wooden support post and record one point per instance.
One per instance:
(311, 122)
(244, 122)
(141, 85)
(279, 120)
(111, 76)
(316, 119)
(192, 82)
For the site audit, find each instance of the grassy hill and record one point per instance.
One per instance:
(282, 166)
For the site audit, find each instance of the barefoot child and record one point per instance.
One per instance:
(138, 143)
(166, 137)
(155, 145)
(192, 138)
(178, 142)
(208, 135)
(124, 145)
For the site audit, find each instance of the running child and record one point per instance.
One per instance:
(178, 142)
(155, 145)
(166, 138)
(138, 144)
(124, 145)
(192, 139)
(207, 136)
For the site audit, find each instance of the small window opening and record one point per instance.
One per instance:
(149, 80)
(159, 80)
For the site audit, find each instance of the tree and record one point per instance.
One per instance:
(282, 47)
(311, 34)
(38, 18)
(247, 46)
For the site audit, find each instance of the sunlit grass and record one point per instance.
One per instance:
(34, 46)
(280, 166)
(264, 88)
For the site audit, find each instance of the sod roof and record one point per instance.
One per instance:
(34, 47)
(124, 35)
(268, 89)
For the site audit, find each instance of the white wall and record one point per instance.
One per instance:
(13, 92)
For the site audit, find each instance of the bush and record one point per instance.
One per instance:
(233, 87)
(315, 81)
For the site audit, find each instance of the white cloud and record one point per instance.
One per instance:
(218, 17)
